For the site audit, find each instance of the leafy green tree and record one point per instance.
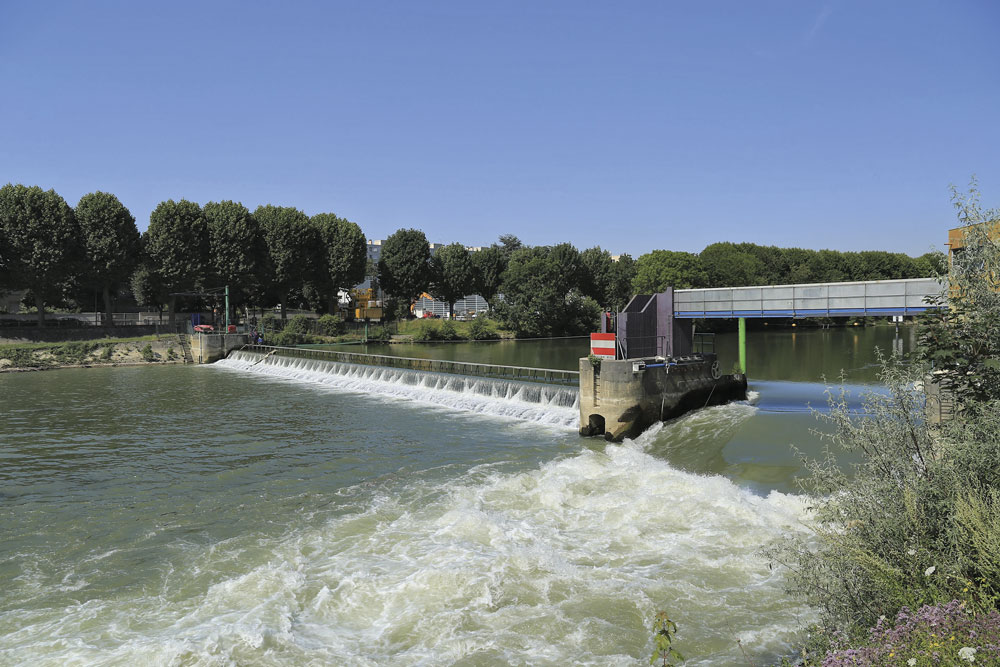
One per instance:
(659, 269)
(404, 267)
(346, 254)
(236, 249)
(540, 294)
(932, 264)
(509, 243)
(728, 265)
(452, 274)
(595, 274)
(110, 244)
(488, 266)
(148, 289)
(41, 241)
(294, 250)
(619, 285)
(176, 243)
(962, 340)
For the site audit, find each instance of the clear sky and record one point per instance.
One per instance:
(630, 125)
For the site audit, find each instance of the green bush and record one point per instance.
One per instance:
(449, 331)
(300, 324)
(483, 329)
(329, 325)
(379, 334)
(147, 353)
(271, 322)
(429, 331)
(108, 351)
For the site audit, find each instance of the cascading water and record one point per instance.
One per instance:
(244, 513)
(525, 401)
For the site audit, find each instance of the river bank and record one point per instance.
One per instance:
(135, 351)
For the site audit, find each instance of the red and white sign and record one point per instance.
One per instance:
(602, 345)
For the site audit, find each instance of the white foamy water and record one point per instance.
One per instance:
(525, 401)
(563, 564)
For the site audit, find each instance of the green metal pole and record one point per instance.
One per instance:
(227, 308)
(743, 345)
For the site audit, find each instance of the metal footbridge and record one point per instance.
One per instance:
(854, 299)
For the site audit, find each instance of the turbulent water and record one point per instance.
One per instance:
(296, 512)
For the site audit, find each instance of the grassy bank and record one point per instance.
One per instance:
(101, 352)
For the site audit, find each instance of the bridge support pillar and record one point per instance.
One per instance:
(743, 345)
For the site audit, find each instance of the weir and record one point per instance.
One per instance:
(525, 401)
(497, 371)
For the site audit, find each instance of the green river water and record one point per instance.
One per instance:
(302, 513)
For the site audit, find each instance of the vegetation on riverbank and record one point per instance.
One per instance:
(277, 256)
(100, 352)
(903, 559)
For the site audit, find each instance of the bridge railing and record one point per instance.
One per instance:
(496, 371)
(878, 297)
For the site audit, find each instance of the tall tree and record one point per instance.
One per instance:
(452, 274)
(619, 286)
(346, 254)
(595, 274)
(176, 243)
(236, 249)
(488, 266)
(147, 288)
(404, 267)
(293, 246)
(540, 295)
(110, 244)
(659, 269)
(41, 239)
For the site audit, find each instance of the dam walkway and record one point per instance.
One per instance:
(495, 371)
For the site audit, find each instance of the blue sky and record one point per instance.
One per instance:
(630, 125)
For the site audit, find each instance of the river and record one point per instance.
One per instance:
(259, 513)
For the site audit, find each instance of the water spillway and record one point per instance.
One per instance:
(510, 399)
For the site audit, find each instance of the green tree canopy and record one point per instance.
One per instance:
(237, 253)
(404, 267)
(659, 269)
(452, 274)
(110, 243)
(176, 243)
(540, 295)
(346, 254)
(41, 241)
(488, 265)
(294, 249)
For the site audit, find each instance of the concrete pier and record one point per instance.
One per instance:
(209, 348)
(620, 398)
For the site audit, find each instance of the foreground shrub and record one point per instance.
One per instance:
(482, 329)
(329, 325)
(300, 324)
(946, 634)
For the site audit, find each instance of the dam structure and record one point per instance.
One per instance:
(544, 396)
(646, 371)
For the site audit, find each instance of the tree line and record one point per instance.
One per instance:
(279, 255)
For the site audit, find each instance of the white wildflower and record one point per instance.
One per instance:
(911, 662)
(967, 653)
(929, 571)
(911, 552)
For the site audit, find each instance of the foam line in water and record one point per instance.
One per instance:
(525, 401)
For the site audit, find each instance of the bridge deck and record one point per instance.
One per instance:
(854, 299)
(496, 371)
